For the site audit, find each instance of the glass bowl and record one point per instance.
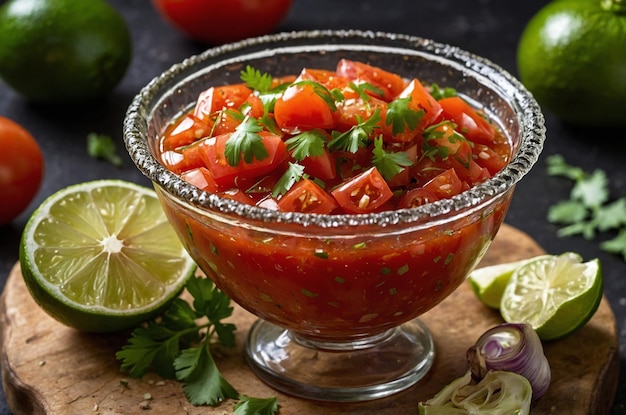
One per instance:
(337, 296)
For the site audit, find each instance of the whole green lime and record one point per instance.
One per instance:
(63, 50)
(572, 57)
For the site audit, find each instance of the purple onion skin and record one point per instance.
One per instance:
(513, 347)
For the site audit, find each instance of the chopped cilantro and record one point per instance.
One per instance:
(256, 80)
(363, 88)
(308, 293)
(401, 116)
(389, 163)
(439, 93)
(356, 137)
(246, 142)
(589, 209)
(306, 144)
(102, 147)
(293, 174)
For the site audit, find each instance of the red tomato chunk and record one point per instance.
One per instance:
(358, 139)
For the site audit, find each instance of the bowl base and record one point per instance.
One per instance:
(361, 370)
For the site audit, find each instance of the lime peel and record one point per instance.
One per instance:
(556, 295)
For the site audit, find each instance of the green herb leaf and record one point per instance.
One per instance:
(256, 406)
(202, 382)
(401, 116)
(245, 142)
(256, 80)
(293, 174)
(101, 146)
(439, 93)
(589, 209)
(363, 88)
(306, 144)
(356, 137)
(389, 163)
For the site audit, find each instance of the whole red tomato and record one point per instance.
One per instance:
(223, 21)
(21, 169)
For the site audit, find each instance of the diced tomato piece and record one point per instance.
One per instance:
(225, 175)
(403, 178)
(237, 195)
(300, 108)
(187, 159)
(454, 151)
(201, 178)
(253, 106)
(351, 110)
(363, 193)
(307, 197)
(322, 167)
(185, 132)
(417, 197)
(422, 100)
(219, 97)
(469, 122)
(391, 84)
(488, 158)
(227, 122)
(445, 185)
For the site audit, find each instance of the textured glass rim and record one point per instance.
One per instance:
(532, 130)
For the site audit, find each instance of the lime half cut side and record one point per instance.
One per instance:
(489, 283)
(101, 256)
(556, 294)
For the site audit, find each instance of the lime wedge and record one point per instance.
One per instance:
(488, 283)
(101, 256)
(556, 294)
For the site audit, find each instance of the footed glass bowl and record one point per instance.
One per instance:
(337, 296)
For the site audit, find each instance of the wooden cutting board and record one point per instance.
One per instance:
(50, 369)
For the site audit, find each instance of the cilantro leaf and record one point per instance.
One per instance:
(616, 245)
(439, 93)
(401, 116)
(102, 147)
(356, 137)
(246, 142)
(589, 209)
(202, 382)
(256, 80)
(306, 144)
(363, 88)
(256, 406)
(592, 189)
(389, 163)
(292, 175)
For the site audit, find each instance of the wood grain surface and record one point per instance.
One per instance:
(50, 369)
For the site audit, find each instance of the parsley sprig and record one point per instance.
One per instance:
(178, 345)
(589, 209)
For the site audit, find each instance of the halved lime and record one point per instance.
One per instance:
(556, 294)
(488, 283)
(101, 256)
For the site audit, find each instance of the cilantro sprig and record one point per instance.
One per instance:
(356, 137)
(245, 143)
(389, 163)
(401, 116)
(178, 345)
(589, 209)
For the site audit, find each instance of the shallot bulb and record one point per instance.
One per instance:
(512, 347)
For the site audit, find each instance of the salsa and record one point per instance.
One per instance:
(358, 139)
(355, 140)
